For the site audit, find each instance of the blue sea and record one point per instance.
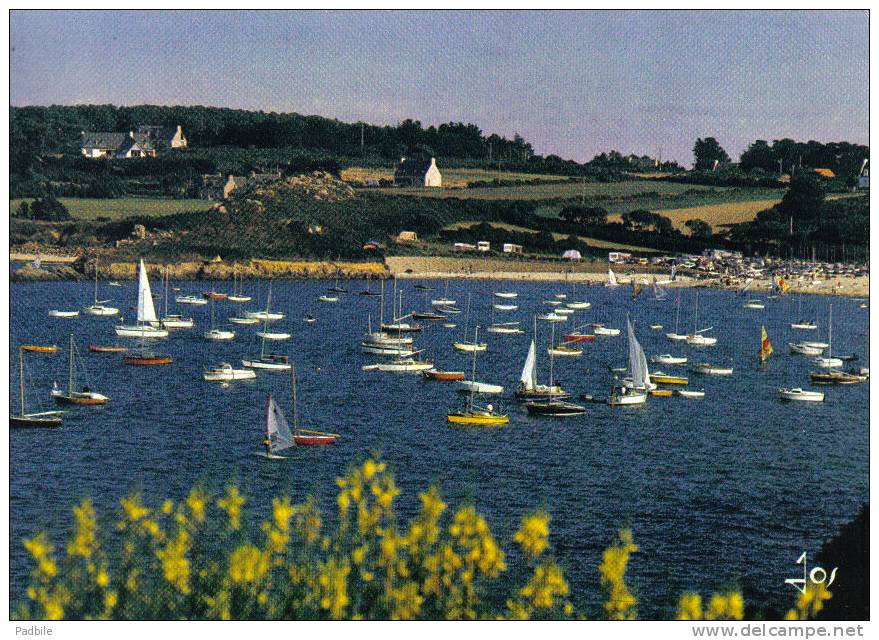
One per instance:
(724, 491)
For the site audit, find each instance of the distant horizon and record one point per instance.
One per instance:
(571, 83)
(485, 132)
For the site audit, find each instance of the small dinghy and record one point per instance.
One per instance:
(561, 350)
(552, 303)
(194, 300)
(578, 305)
(712, 370)
(506, 294)
(54, 313)
(667, 358)
(806, 326)
(273, 335)
(601, 330)
(219, 334)
(511, 328)
(107, 349)
(656, 326)
(326, 298)
(400, 366)
(754, 304)
(506, 307)
(246, 321)
(309, 319)
(437, 374)
(552, 317)
(690, 393)
(39, 348)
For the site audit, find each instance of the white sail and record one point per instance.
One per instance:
(611, 278)
(146, 312)
(529, 371)
(277, 429)
(637, 360)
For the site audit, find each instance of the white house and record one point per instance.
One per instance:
(416, 172)
(142, 143)
(512, 248)
(483, 245)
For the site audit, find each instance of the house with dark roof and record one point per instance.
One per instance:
(417, 172)
(142, 143)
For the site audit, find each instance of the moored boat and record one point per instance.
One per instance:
(39, 348)
(834, 376)
(802, 348)
(84, 397)
(713, 370)
(801, 395)
(194, 300)
(270, 361)
(54, 313)
(107, 349)
(663, 378)
(407, 365)
(144, 358)
(437, 374)
(226, 372)
(691, 393)
(667, 358)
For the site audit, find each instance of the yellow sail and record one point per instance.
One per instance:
(765, 345)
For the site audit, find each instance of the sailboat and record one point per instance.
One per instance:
(472, 414)
(396, 326)
(553, 406)
(84, 397)
(765, 345)
(658, 292)
(445, 301)
(237, 294)
(278, 434)
(808, 325)
(265, 334)
(226, 373)
(382, 338)
(31, 420)
(368, 291)
(336, 288)
(428, 314)
(267, 361)
(528, 386)
(611, 279)
(99, 308)
(829, 362)
(635, 394)
(217, 334)
(173, 320)
(265, 315)
(465, 346)
(696, 338)
(677, 337)
(146, 312)
(576, 304)
(505, 328)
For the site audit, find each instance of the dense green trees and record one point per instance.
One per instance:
(707, 152)
(786, 155)
(699, 228)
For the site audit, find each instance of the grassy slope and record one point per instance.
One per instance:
(453, 178)
(118, 208)
(564, 190)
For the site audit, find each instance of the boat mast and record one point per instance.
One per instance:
(830, 333)
(467, 319)
(295, 412)
(678, 315)
(21, 378)
(96, 282)
(265, 323)
(534, 340)
(381, 312)
(70, 372)
(473, 375)
(696, 317)
(551, 360)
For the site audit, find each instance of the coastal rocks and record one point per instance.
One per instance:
(29, 273)
(317, 185)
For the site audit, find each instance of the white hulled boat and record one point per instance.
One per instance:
(146, 312)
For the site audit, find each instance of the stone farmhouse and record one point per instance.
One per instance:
(416, 172)
(143, 143)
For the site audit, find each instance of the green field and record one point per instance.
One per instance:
(119, 208)
(562, 190)
(454, 178)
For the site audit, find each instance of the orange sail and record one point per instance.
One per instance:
(765, 345)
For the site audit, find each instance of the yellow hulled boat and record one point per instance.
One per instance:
(663, 378)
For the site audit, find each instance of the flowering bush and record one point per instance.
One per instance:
(196, 560)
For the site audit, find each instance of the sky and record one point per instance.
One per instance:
(571, 83)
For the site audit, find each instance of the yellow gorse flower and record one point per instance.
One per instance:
(726, 606)
(809, 603)
(231, 503)
(247, 565)
(175, 563)
(197, 502)
(85, 526)
(545, 586)
(133, 509)
(690, 607)
(533, 534)
(619, 603)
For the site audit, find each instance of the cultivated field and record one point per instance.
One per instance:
(725, 213)
(118, 208)
(452, 178)
(561, 190)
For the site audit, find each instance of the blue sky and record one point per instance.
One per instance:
(572, 83)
